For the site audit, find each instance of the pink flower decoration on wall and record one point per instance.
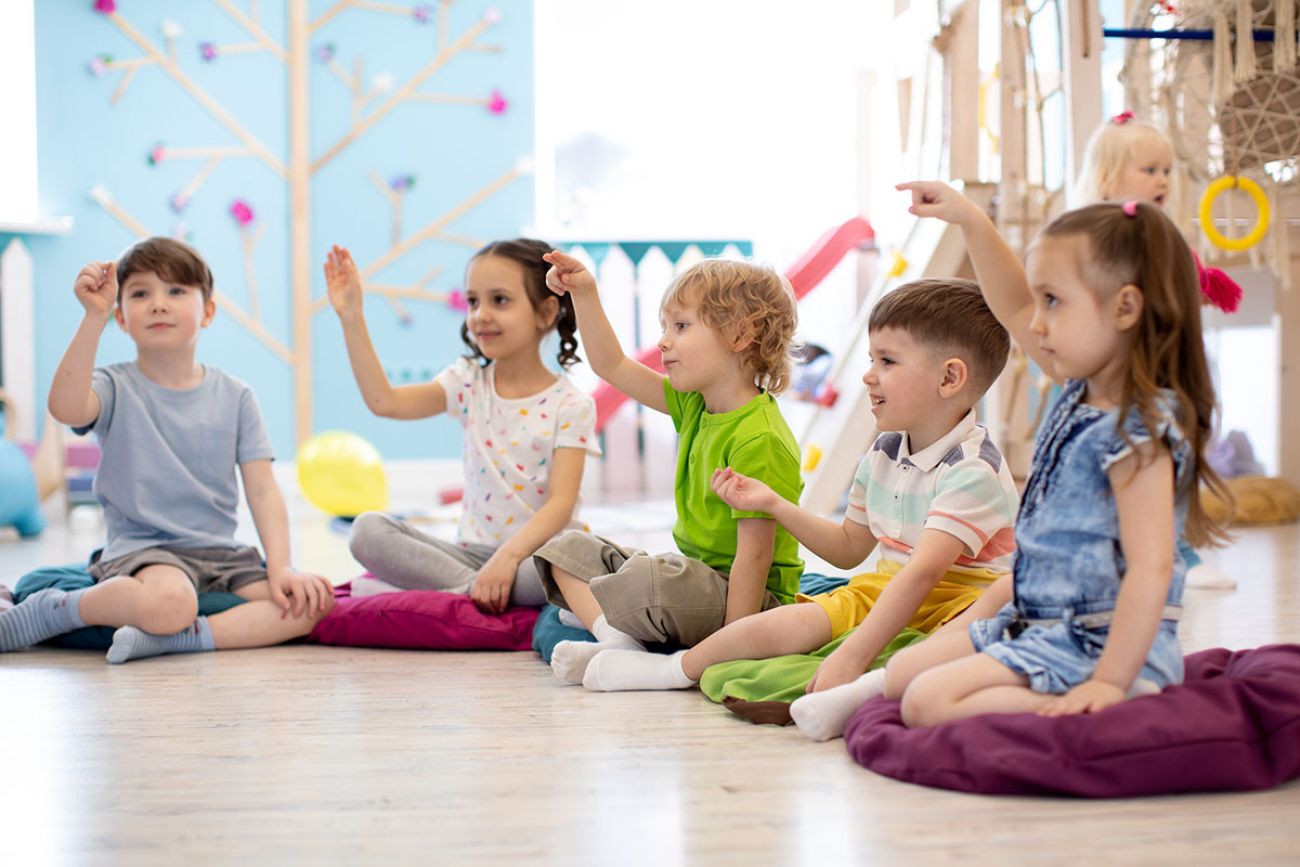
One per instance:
(106, 7)
(242, 212)
(325, 52)
(179, 203)
(422, 12)
(208, 51)
(157, 154)
(99, 64)
(497, 104)
(456, 301)
(401, 183)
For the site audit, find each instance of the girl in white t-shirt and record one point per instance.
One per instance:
(528, 430)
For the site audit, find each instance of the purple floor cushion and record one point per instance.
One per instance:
(1233, 725)
(422, 620)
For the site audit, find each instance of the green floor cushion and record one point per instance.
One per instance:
(783, 678)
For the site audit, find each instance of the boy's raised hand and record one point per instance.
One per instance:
(741, 492)
(937, 199)
(96, 287)
(567, 274)
(343, 282)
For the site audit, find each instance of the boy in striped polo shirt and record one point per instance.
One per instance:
(933, 491)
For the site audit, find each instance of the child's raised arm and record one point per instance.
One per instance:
(998, 270)
(1144, 500)
(347, 297)
(72, 401)
(606, 356)
(842, 545)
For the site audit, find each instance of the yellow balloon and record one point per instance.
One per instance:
(342, 474)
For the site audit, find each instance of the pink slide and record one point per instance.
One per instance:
(804, 275)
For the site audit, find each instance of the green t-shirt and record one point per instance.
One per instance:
(753, 440)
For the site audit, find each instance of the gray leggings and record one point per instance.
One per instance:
(396, 552)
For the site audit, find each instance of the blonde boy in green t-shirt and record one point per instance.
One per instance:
(727, 332)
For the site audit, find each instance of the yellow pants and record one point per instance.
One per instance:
(956, 591)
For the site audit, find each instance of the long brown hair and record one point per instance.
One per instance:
(1137, 244)
(528, 253)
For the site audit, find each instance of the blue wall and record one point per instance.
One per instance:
(453, 151)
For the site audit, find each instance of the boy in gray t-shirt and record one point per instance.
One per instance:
(172, 432)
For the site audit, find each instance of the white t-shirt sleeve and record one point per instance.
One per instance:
(457, 381)
(857, 510)
(576, 423)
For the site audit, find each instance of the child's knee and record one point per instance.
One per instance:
(367, 529)
(920, 703)
(168, 609)
(896, 676)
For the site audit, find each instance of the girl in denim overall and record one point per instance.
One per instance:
(1128, 158)
(1111, 310)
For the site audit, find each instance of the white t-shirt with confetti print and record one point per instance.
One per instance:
(509, 446)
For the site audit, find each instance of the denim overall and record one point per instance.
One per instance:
(1068, 563)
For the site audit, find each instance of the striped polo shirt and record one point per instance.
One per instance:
(958, 484)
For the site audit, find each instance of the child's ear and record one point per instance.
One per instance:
(955, 377)
(742, 336)
(547, 313)
(117, 315)
(209, 311)
(1127, 306)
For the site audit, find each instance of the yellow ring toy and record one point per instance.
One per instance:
(1216, 237)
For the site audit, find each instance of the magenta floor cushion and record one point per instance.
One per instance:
(422, 620)
(1233, 725)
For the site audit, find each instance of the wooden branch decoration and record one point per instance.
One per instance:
(213, 107)
(434, 229)
(263, 41)
(402, 94)
(104, 199)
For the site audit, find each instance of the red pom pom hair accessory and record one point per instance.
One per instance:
(1122, 118)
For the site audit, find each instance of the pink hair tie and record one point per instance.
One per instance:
(1122, 118)
(1130, 208)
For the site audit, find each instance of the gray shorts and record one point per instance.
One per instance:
(660, 598)
(210, 570)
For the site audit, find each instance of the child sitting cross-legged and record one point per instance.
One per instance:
(933, 491)
(173, 432)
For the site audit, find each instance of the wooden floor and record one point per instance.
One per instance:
(337, 756)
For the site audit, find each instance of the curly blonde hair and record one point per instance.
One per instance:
(743, 299)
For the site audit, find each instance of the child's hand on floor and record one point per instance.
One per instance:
(491, 590)
(96, 287)
(937, 199)
(1088, 697)
(567, 274)
(300, 593)
(343, 282)
(743, 493)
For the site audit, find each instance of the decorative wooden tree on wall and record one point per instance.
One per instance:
(370, 102)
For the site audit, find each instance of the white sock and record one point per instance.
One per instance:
(569, 659)
(616, 670)
(1206, 577)
(568, 618)
(823, 715)
(365, 586)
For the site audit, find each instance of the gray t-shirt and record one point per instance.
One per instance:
(167, 475)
